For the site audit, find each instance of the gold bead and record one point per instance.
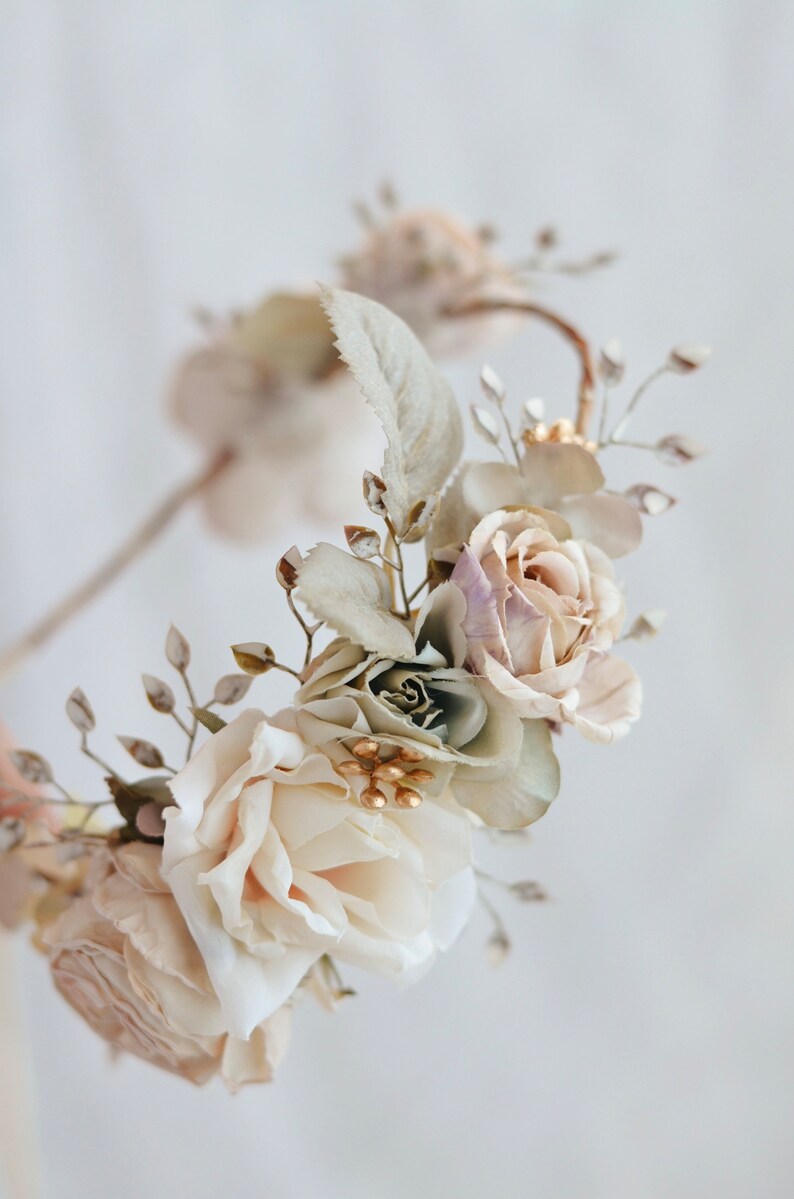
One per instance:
(372, 798)
(420, 776)
(562, 430)
(366, 748)
(410, 755)
(388, 772)
(406, 797)
(351, 767)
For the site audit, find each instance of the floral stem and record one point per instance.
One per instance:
(578, 341)
(13, 656)
(634, 401)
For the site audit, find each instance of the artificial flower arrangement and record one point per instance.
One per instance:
(450, 649)
(340, 830)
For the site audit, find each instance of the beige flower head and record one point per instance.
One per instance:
(543, 611)
(423, 262)
(266, 388)
(122, 956)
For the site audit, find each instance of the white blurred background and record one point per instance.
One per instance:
(638, 1043)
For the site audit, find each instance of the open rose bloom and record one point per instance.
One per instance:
(341, 831)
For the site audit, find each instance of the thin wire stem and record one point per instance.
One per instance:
(634, 401)
(570, 332)
(15, 654)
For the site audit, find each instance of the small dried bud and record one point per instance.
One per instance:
(210, 720)
(231, 688)
(613, 363)
(177, 649)
(149, 821)
(547, 238)
(532, 412)
(678, 450)
(406, 797)
(528, 891)
(373, 798)
(388, 196)
(144, 753)
(684, 359)
(12, 833)
(158, 693)
(647, 625)
(32, 767)
(492, 386)
(80, 712)
(649, 499)
(485, 424)
(374, 490)
(287, 568)
(254, 657)
(363, 542)
(498, 948)
(421, 517)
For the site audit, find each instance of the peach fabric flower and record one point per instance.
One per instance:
(543, 612)
(122, 956)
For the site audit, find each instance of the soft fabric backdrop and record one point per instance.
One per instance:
(638, 1042)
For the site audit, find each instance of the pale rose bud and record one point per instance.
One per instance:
(678, 450)
(363, 542)
(231, 688)
(144, 752)
(374, 490)
(158, 693)
(287, 568)
(177, 649)
(254, 657)
(684, 359)
(485, 424)
(80, 712)
(492, 386)
(649, 500)
(647, 625)
(613, 363)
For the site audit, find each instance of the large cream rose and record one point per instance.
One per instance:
(274, 863)
(542, 612)
(122, 956)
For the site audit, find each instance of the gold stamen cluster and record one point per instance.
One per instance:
(398, 770)
(562, 431)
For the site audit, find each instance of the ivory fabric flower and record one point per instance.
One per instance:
(422, 262)
(122, 956)
(266, 388)
(562, 478)
(458, 726)
(274, 863)
(542, 611)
